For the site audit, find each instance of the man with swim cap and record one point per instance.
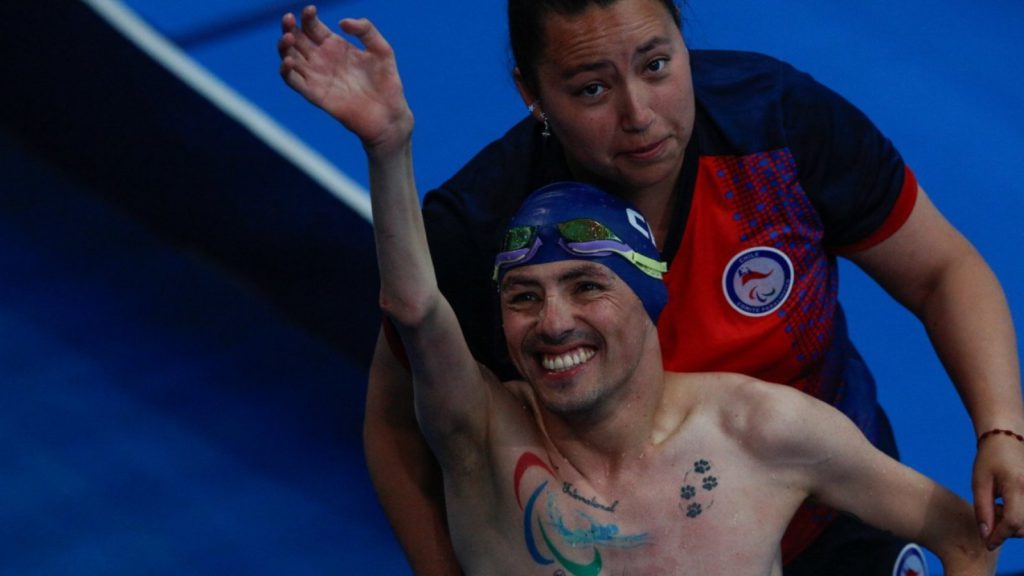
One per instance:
(570, 220)
(600, 462)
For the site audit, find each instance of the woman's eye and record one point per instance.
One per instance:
(657, 65)
(592, 90)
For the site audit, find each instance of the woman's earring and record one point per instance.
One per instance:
(546, 132)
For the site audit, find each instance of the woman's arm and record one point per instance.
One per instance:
(935, 272)
(403, 470)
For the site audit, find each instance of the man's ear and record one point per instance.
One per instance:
(529, 98)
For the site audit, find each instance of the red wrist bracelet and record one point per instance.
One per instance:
(1000, 431)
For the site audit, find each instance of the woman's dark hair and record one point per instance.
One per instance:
(526, 28)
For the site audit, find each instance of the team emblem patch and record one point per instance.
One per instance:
(910, 562)
(758, 281)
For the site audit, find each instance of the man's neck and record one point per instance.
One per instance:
(615, 437)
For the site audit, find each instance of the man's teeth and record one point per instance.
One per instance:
(563, 362)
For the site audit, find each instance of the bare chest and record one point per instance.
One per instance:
(691, 516)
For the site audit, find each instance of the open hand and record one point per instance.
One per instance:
(360, 88)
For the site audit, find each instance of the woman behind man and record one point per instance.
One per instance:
(753, 177)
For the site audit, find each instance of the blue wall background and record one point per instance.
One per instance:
(183, 337)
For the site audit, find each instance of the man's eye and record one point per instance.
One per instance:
(522, 298)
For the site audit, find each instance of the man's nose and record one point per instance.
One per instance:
(556, 319)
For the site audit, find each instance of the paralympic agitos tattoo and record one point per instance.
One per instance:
(561, 527)
(572, 529)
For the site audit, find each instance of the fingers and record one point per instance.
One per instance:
(290, 69)
(999, 521)
(1009, 523)
(288, 23)
(313, 27)
(368, 34)
(298, 42)
(292, 75)
(313, 32)
(1000, 530)
(984, 505)
(304, 38)
(998, 490)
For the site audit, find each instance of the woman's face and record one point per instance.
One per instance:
(615, 84)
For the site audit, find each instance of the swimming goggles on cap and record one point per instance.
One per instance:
(582, 237)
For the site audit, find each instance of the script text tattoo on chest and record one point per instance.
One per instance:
(570, 490)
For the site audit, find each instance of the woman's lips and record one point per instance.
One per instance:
(649, 152)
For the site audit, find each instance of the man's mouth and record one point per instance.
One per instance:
(566, 360)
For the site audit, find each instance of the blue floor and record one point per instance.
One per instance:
(186, 318)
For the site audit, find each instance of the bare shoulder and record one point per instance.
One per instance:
(773, 422)
(735, 394)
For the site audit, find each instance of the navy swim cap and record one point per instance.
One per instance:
(576, 221)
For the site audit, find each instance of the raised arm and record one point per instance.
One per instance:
(935, 272)
(362, 89)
